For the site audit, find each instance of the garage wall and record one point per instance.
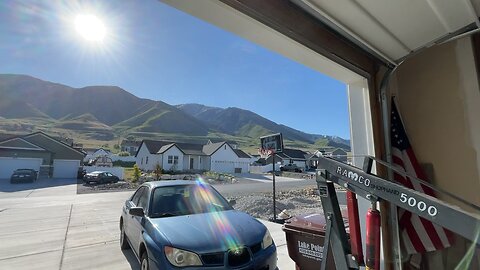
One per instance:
(224, 160)
(439, 100)
(8, 165)
(65, 169)
(45, 156)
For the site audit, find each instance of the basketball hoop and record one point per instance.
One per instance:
(265, 153)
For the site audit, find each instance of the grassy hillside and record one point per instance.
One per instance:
(108, 113)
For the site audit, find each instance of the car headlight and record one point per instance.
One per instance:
(267, 240)
(178, 257)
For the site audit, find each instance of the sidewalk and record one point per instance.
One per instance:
(284, 261)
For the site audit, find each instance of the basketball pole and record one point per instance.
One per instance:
(274, 199)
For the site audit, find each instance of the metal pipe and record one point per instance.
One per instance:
(393, 216)
(471, 32)
(273, 183)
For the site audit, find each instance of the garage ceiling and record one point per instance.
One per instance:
(393, 29)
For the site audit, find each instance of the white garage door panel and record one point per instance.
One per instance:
(8, 165)
(223, 166)
(65, 168)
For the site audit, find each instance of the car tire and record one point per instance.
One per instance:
(123, 239)
(144, 261)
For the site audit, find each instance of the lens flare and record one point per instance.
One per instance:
(218, 224)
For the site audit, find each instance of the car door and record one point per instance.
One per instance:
(108, 177)
(130, 221)
(136, 225)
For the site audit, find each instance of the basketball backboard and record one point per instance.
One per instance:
(272, 142)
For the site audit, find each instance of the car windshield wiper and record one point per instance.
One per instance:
(218, 206)
(168, 214)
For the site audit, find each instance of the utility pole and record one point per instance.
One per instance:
(274, 199)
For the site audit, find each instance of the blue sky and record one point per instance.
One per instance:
(156, 52)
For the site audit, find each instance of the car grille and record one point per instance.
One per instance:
(214, 259)
(238, 257)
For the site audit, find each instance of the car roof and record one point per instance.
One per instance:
(168, 183)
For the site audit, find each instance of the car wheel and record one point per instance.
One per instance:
(144, 261)
(123, 239)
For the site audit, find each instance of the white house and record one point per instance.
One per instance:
(219, 157)
(95, 153)
(291, 156)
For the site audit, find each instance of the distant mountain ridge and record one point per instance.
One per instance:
(240, 122)
(111, 110)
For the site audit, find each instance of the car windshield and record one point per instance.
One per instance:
(186, 200)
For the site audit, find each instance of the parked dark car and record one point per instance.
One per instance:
(81, 173)
(290, 168)
(177, 224)
(100, 177)
(23, 176)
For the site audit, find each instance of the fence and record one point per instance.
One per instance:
(125, 159)
(260, 169)
(117, 171)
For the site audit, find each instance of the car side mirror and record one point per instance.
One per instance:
(232, 202)
(136, 211)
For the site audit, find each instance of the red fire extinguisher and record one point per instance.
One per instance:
(373, 239)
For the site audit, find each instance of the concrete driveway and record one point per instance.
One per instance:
(46, 225)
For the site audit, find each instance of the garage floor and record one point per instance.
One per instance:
(46, 225)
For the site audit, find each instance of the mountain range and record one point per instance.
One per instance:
(107, 112)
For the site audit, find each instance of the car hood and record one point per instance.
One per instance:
(210, 232)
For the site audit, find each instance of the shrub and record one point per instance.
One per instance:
(126, 164)
(136, 173)
(158, 171)
(124, 154)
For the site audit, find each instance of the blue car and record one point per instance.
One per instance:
(188, 224)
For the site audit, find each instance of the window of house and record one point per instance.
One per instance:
(225, 147)
(142, 161)
(146, 160)
(172, 159)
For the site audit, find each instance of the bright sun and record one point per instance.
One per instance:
(90, 28)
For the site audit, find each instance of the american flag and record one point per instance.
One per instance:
(418, 235)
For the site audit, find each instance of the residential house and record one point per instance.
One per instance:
(101, 161)
(41, 152)
(232, 144)
(130, 146)
(290, 156)
(94, 153)
(220, 157)
(335, 153)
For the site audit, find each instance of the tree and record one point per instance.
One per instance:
(157, 171)
(116, 146)
(136, 173)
